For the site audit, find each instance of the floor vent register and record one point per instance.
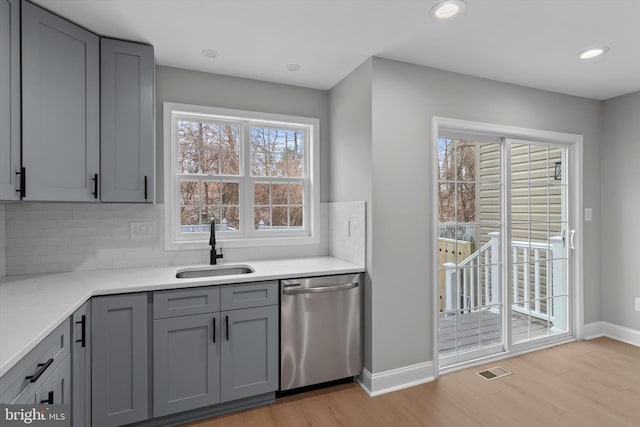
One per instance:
(493, 373)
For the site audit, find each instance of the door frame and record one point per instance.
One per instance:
(574, 198)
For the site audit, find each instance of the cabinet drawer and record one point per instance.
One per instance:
(56, 390)
(249, 295)
(38, 365)
(185, 301)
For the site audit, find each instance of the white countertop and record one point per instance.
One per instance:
(31, 307)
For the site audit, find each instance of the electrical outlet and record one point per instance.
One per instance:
(588, 214)
(637, 303)
(141, 230)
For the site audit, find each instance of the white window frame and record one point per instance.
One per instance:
(247, 237)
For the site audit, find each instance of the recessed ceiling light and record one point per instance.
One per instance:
(593, 52)
(294, 67)
(448, 9)
(209, 53)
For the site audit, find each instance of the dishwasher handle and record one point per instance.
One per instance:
(294, 288)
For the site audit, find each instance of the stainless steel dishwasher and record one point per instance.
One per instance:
(320, 329)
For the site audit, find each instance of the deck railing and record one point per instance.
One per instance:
(537, 275)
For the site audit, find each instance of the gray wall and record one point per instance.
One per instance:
(350, 165)
(194, 87)
(405, 97)
(620, 207)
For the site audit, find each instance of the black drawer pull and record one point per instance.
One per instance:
(227, 326)
(95, 185)
(49, 398)
(23, 182)
(83, 338)
(41, 368)
(214, 329)
(146, 193)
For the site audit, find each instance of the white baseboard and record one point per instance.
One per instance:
(395, 379)
(606, 329)
(593, 330)
(409, 376)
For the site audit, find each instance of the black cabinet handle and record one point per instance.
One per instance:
(23, 182)
(227, 327)
(95, 185)
(146, 193)
(83, 322)
(49, 398)
(41, 368)
(214, 329)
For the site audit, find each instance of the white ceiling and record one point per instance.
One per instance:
(526, 42)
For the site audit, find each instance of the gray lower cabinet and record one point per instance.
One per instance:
(81, 366)
(127, 143)
(43, 370)
(206, 351)
(9, 98)
(60, 108)
(249, 352)
(119, 386)
(213, 345)
(56, 390)
(186, 363)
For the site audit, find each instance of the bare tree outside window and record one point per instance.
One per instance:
(207, 154)
(209, 170)
(277, 153)
(457, 163)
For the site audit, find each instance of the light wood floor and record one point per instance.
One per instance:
(587, 383)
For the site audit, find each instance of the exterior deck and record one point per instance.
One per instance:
(479, 329)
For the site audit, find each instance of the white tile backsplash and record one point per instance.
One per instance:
(47, 238)
(3, 240)
(347, 231)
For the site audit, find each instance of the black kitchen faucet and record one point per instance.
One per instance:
(214, 256)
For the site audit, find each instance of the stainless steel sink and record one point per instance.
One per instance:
(213, 271)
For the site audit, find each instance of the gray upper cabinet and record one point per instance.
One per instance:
(186, 363)
(81, 366)
(127, 151)
(9, 98)
(120, 386)
(249, 352)
(60, 107)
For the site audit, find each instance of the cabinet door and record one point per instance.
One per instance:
(127, 151)
(56, 390)
(186, 363)
(249, 352)
(81, 366)
(60, 107)
(120, 387)
(9, 98)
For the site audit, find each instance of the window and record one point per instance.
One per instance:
(254, 174)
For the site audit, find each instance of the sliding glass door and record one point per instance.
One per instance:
(503, 244)
(469, 256)
(538, 234)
